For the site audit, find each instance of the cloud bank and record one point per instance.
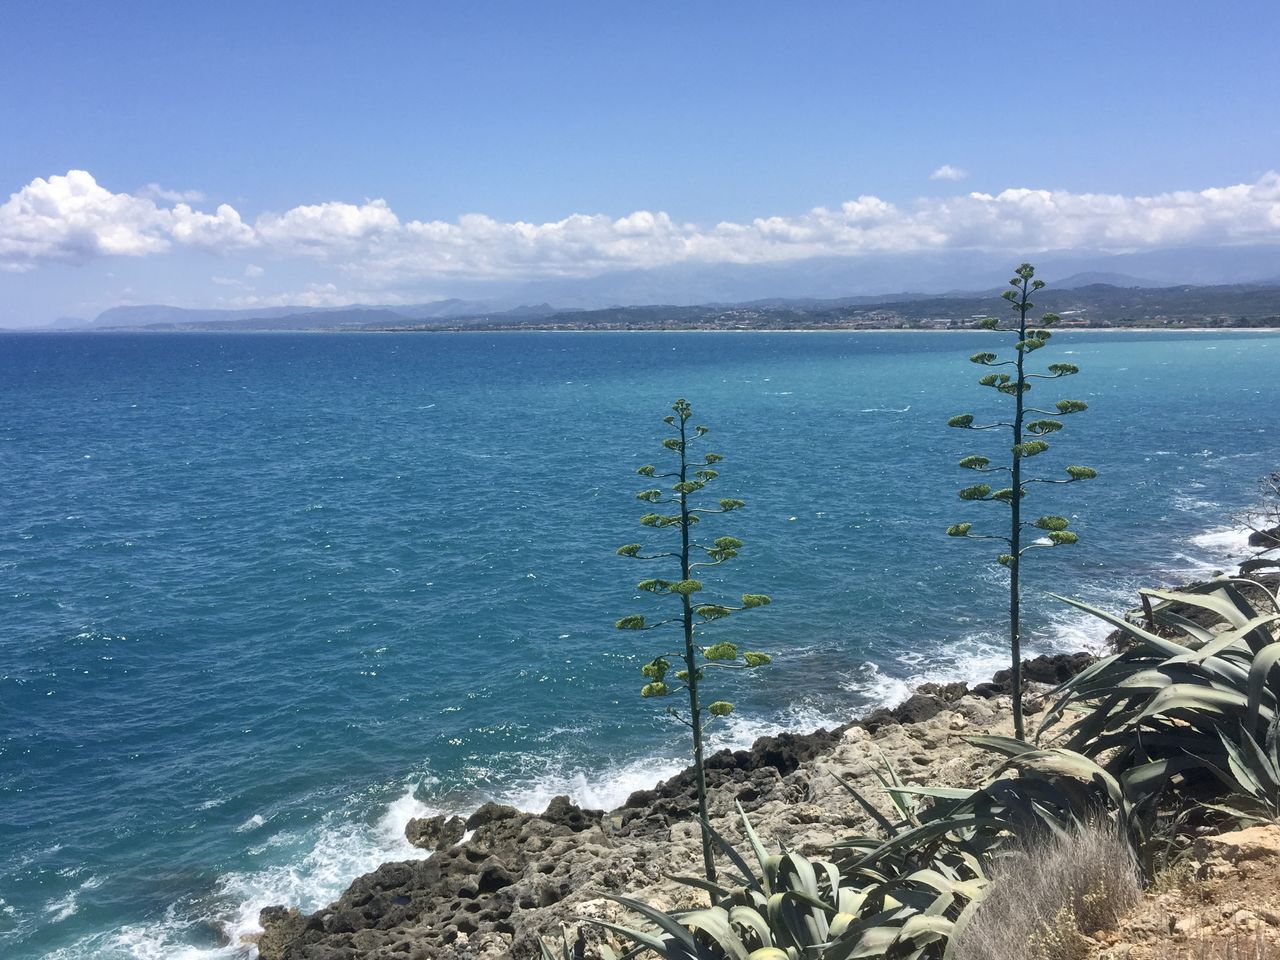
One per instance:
(74, 219)
(948, 172)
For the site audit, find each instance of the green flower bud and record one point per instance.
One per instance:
(1037, 285)
(962, 420)
(1081, 473)
(989, 323)
(991, 380)
(730, 504)
(633, 622)
(982, 358)
(706, 475)
(959, 529)
(656, 689)
(669, 420)
(1063, 537)
(1071, 406)
(721, 708)
(1041, 427)
(728, 543)
(649, 496)
(713, 458)
(1010, 295)
(721, 651)
(1030, 448)
(712, 611)
(754, 659)
(656, 669)
(1052, 523)
(979, 491)
(688, 486)
(686, 587)
(671, 443)
(1005, 495)
(1049, 319)
(750, 600)
(701, 431)
(648, 470)
(1026, 271)
(654, 586)
(683, 408)
(1063, 369)
(629, 550)
(1005, 559)
(974, 463)
(652, 520)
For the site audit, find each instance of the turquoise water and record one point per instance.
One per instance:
(265, 597)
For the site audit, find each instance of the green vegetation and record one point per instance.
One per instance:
(1028, 441)
(1195, 692)
(688, 480)
(1183, 719)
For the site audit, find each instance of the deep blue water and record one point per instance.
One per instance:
(266, 596)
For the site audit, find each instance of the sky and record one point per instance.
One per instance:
(246, 154)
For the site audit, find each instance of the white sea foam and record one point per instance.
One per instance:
(598, 790)
(321, 862)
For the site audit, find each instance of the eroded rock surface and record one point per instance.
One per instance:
(520, 875)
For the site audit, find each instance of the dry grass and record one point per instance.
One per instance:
(1048, 895)
(1242, 947)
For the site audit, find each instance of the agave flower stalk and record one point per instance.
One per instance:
(1029, 441)
(690, 478)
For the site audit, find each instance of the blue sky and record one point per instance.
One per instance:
(534, 112)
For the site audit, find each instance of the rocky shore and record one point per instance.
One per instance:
(502, 878)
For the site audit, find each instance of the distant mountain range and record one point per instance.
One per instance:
(1179, 286)
(1081, 301)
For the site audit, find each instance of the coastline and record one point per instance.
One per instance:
(551, 867)
(500, 879)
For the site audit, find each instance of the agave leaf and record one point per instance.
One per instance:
(1230, 637)
(1169, 618)
(868, 806)
(750, 919)
(714, 922)
(664, 921)
(1149, 779)
(1009, 746)
(768, 953)
(1197, 703)
(1213, 598)
(655, 944)
(1161, 645)
(760, 852)
(748, 877)
(941, 793)
(1259, 673)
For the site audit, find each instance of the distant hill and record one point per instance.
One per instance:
(1133, 303)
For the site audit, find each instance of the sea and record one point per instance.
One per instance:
(267, 596)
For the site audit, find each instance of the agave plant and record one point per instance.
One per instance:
(792, 907)
(907, 894)
(1193, 693)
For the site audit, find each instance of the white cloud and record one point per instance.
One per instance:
(948, 172)
(73, 219)
(153, 191)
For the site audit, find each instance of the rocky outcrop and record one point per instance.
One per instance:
(435, 833)
(519, 875)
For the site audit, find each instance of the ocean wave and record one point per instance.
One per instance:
(313, 868)
(318, 865)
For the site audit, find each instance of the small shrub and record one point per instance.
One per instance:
(1047, 895)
